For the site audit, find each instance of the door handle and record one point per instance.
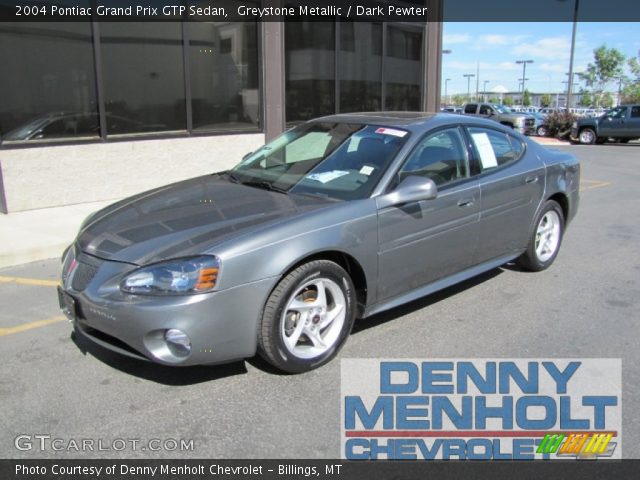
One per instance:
(466, 202)
(531, 180)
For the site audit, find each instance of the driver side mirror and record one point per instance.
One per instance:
(412, 189)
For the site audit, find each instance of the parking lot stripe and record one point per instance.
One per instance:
(593, 184)
(31, 325)
(29, 281)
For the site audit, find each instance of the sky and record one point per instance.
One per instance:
(497, 46)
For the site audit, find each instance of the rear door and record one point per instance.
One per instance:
(511, 184)
(633, 124)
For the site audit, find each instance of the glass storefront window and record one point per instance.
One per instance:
(224, 75)
(143, 76)
(47, 81)
(360, 66)
(403, 68)
(309, 70)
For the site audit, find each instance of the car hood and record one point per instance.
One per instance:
(186, 218)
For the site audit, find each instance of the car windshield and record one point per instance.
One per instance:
(502, 109)
(335, 160)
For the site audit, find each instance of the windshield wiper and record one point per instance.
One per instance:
(264, 185)
(232, 177)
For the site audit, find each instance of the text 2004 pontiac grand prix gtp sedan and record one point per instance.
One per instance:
(340, 218)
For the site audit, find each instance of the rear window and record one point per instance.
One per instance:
(495, 149)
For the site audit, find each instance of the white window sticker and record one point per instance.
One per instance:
(485, 150)
(391, 131)
(326, 177)
(366, 170)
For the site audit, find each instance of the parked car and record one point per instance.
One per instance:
(339, 218)
(540, 124)
(621, 123)
(522, 122)
(59, 125)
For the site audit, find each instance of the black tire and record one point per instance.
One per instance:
(624, 140)
(530, 259)
(541, 131)
(271, 342)
(587, 136)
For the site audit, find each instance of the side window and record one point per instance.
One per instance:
(470, 108)
(621, 113)
(635, 112)
(441, 157)
(485, 110)
(495, 149)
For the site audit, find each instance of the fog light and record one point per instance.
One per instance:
(178, 342)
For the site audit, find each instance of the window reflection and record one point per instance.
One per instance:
(403, 67)
(48, 81)
(360, 66)
(224, 75)
(143, 73)
(309, 70)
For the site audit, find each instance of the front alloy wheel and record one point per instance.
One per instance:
(587, 136)
(307, 317)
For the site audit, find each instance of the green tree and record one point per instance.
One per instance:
(546, 100)
(631, 92)
(608, 64)
(526, 98)
(458, 99)
(586, 98)
(607, 100)
(508, 101)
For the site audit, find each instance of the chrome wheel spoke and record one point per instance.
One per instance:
(331, 315)
(293, 339)
(314, 335)
(321, 299)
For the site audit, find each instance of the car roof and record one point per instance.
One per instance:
(407, 120)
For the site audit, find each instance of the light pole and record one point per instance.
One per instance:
(446, 83)
(469, 76)
(573, 47)
(484, 91)
(524, 71)
(445, 52)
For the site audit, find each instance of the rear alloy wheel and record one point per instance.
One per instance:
(541, 131)
(545, 240)
(587, 136)
(308, 317)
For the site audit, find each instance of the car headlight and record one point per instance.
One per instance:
(176, 277)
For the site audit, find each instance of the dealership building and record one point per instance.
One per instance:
(96, 110)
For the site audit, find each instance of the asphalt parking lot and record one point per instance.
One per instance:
(585, 306)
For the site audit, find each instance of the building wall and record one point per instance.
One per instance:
(69, 174)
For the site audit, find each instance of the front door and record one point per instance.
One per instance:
(423, 241)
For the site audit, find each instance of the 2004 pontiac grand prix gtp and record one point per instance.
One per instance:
(339, 218)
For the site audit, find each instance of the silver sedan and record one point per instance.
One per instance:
(337, 219)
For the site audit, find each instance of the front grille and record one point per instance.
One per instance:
(82, 276)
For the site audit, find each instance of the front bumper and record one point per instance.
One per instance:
(222, 325)
(525, 130)
(574, 133)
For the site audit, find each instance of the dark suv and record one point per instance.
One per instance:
(621, 123)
